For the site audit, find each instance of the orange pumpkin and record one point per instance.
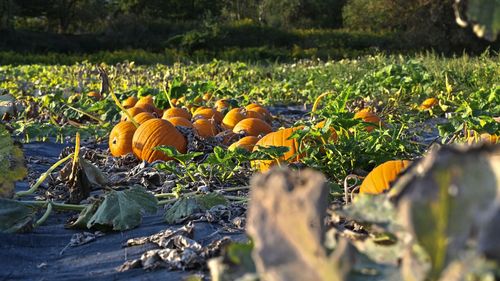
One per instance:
(142, 117)
(205, 128)
(180, 121)
(132, 112)
(120, 138)
(333, 137)
(149, 108)
(153, 133)
(94, 95)
(208, 113)
(278, 138)
(176, 112)
(428, 103)
(484, 137)
(222, 105)
(254, 114)
(380, 178)
(247, 143)
(232, 118)
(367, 116)
(252, 127)
(260, 109)
(145, 100)
(129, 102)
(207, 96)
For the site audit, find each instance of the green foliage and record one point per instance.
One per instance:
(186, 206)
(122, 210)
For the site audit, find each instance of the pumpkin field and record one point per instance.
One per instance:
(384, 167)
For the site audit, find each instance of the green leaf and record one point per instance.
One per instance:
(124, 209)
(173, 153)
(15, 216)
(181, 209)
(84, 216)
(11, 164)
(207, 201)
(186, 206)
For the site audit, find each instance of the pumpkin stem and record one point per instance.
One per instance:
(104, 76)
(316, 102)
(43, 177)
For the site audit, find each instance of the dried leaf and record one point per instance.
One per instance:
(124, 209)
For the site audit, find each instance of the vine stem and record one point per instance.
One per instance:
(237, 188)
(43, 177)
(316, 102)
(55, 205)
(86, 114)
(115, 99)
(45, 215)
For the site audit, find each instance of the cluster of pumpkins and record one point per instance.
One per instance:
(152, 127)
(246, 127)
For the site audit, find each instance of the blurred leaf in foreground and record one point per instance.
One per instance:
(445, 199)
(285, 221)
(11, 164)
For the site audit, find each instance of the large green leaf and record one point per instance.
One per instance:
(124, 209)
(11, 164)
(15, 216)
(186, 206)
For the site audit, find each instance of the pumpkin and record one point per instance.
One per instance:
(208, 113)
(252, 127)
(484, 137)
(132, 112)
(260, 109)
(222, 104)
(205, 128)
(145, 100)
(180, 121)
(246, 143)
(207, 96)
(120, 138)
(254, 114)
(153, 133)
(129, 102)
(428, 103)
(367, 116)
(176, 112)
(278, 138)
(380, 178)
(94, 95)
(333, 137)
(142, 117)
(149, 108)
(232, 118)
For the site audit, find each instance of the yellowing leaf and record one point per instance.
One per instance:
(11, 164)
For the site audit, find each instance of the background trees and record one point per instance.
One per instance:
(158, 24)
